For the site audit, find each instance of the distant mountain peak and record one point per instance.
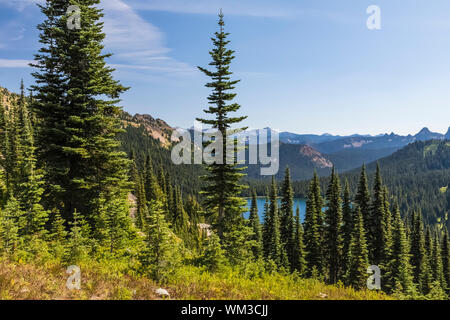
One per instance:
(425, 130)
(426, 134)
(447, 135)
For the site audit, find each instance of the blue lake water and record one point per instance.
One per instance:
(300, 202)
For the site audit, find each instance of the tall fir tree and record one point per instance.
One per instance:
(347, 212)
(287, 216)
(312, 228)
(436, 265)
(362, 200)
(358, 261)
(398, 271)
(446, 260)
(77, 114)
(375, 222)
(419, 256)
(223, 180)
(274, 246)
(298, 257)
(256, 227)
(333, 239)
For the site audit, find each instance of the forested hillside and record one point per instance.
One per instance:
(84, 184)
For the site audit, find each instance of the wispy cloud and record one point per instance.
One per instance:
(257, 8)
(13, 63)
(138, 44)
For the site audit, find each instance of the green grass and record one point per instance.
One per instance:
(110, 281)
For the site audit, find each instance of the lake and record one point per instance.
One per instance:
(300, 202)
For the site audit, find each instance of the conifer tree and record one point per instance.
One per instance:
(362, 200)
(223, 188)
(287, 216)
(153, 190)
(313, 237)
(333, 239)
(256, 227)
(375, 222)
(437, 267)
(347, 228)
(398, 274)
(446, 260)
(358, 260)
(214, 256)
(387, 228)
(29, 188)
(274, 247)
(298, 257)
(76, 111)
(160, 257)
(419, 256)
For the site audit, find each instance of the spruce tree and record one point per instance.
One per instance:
(213, 257)
(333, 239)
(298, 257)
(362, 200)
(287, 216)
(446, 260)
(398, 271)
(437, 267)
(161, 257)
(256, 227)
(375, 222)
(419, 256)
(358, 260)
(223, 188)
(77, 112)
(347, 228)
(274, 246)
(313, 236)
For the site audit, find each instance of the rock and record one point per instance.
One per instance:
(323, 295)
(162, 293)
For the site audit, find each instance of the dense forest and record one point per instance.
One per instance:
(78, 184)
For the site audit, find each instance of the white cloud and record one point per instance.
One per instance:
(12, 63)
(137, 44)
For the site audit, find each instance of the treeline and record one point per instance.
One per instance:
(343, 235)
(417, 175)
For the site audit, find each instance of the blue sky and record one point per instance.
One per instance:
(305, 66)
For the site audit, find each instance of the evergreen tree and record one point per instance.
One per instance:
(223, 188)
(375, 222)
(313, 236)
(446, 260)
(347, 228)
(419, 256)
(362, 200)
(274, 247)
(160, 257)
(437, 267)
(76, 112)
(298, 257)
(153, 190)
(398, 274)
(358, 260)
(256, 227)
(333, 229)
(214, 257)
(287, 216)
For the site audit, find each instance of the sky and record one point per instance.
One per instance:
(304, 66)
